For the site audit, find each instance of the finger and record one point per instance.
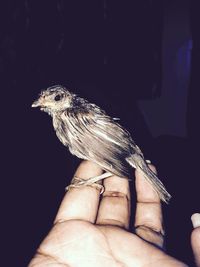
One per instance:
(148, 218)
(114, 207)
(81, 203)
(195, 237)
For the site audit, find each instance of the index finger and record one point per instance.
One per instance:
(148, 219)
(81, 203)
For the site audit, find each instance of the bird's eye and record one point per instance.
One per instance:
(58, 97)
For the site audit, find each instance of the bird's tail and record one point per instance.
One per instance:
(138, 162)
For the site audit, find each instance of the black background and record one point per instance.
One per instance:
(110, 53)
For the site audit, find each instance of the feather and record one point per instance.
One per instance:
(139, 163)
(92, 135)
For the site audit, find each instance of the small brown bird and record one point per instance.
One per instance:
(92, 135)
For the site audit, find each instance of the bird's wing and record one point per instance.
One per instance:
(97, 137)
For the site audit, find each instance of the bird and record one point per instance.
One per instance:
(91, 134)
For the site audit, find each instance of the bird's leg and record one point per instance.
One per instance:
(78, 182)
(97, 178)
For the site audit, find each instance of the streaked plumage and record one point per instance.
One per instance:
(92, 135)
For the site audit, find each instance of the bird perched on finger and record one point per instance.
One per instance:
(91, 134)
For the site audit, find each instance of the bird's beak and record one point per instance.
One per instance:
(37, 103)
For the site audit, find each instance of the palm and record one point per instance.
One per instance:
(96, 240)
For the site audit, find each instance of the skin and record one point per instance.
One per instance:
(93, 231)
(195, 242)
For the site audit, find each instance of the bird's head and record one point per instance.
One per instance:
(54, 99)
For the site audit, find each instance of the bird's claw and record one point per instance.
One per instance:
(79, 182)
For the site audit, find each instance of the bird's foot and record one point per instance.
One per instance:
(99, 187)
(78, 182)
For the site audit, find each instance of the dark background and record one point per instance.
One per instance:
(140, 61)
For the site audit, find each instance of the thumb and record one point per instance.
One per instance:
(195, 237)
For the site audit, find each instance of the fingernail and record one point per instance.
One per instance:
(196, 220)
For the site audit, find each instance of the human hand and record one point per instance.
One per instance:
(195, 237)
(94, 231)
